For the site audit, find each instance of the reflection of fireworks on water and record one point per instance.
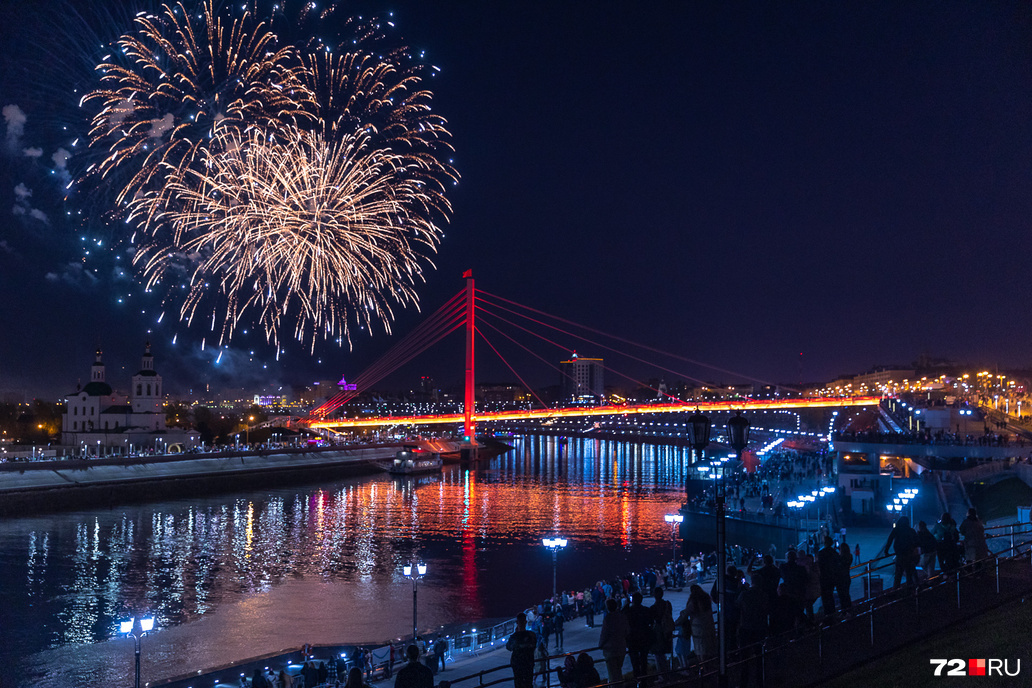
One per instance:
(297, 186)
(299, 230)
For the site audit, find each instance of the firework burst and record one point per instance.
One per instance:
(178, 79)
(301, 231)
(290, 184)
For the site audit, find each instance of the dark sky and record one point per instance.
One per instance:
(737, 183)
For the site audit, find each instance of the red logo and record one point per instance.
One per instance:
(976, 667)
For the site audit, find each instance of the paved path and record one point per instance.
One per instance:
(577, 637)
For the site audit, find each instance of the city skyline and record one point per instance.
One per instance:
(792, 194)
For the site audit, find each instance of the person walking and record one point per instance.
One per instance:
(413, 674)
(613, 640)
(558, 621)
(521, 644)
(440, 650)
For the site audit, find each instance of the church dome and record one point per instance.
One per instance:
(97, 389)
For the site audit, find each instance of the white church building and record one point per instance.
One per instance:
(98, 421)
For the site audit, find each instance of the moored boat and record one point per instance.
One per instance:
(413, 461)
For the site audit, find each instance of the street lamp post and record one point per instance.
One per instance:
(698, 427)
(554, 544)
(674, 520)
(738, 438)
(130, 628)
(415, 572)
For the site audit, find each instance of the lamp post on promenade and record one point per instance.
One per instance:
(738, 438)
(698, 427)
(554, 544)
(130, 628)
(415, 572)
(674, 520)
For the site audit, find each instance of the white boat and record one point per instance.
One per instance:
(413, 462)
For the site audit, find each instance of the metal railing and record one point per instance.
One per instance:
(1009, 546)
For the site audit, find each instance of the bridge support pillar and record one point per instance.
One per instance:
(469, 425)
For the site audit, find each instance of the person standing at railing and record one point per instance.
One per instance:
(613, 640)
(753, 626)
(521, 644)
(558, 622)
(927, 544)
(975, 547)
(947, 543)
(845, 580)
(663, 625)
(440, 650)
(794, 576)
(641, 635)
(733, 585)
(903, 540)
(417, 675)
(829, 563)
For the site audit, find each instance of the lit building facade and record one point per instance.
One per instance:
(98, 421)
(582, 380)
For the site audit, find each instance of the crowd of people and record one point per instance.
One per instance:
(989, 438)
(916, 551)
(761, 600)
(773, 481)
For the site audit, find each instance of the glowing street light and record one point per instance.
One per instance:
(674, 520)
(555, 544)
(130, 628)
(415, 572)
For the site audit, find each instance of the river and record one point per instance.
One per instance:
(239, 575)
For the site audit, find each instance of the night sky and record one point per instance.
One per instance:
(791, 191)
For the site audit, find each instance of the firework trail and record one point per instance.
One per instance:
(299, 185)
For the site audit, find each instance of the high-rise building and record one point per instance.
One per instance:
(582, 380)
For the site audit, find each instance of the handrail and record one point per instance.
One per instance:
(867, 607)
(545, 674)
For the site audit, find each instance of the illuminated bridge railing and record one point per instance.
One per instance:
(744, 405)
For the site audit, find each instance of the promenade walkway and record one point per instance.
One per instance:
(577, 638)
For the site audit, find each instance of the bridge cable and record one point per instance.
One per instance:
(632, 343)
(513, 370)
(632, 379)
(561, 372)
(440, 324)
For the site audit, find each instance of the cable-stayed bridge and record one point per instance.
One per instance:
(479, 314)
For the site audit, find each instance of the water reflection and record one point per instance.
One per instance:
(235, 576)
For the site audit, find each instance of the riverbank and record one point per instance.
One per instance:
(62, 484)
